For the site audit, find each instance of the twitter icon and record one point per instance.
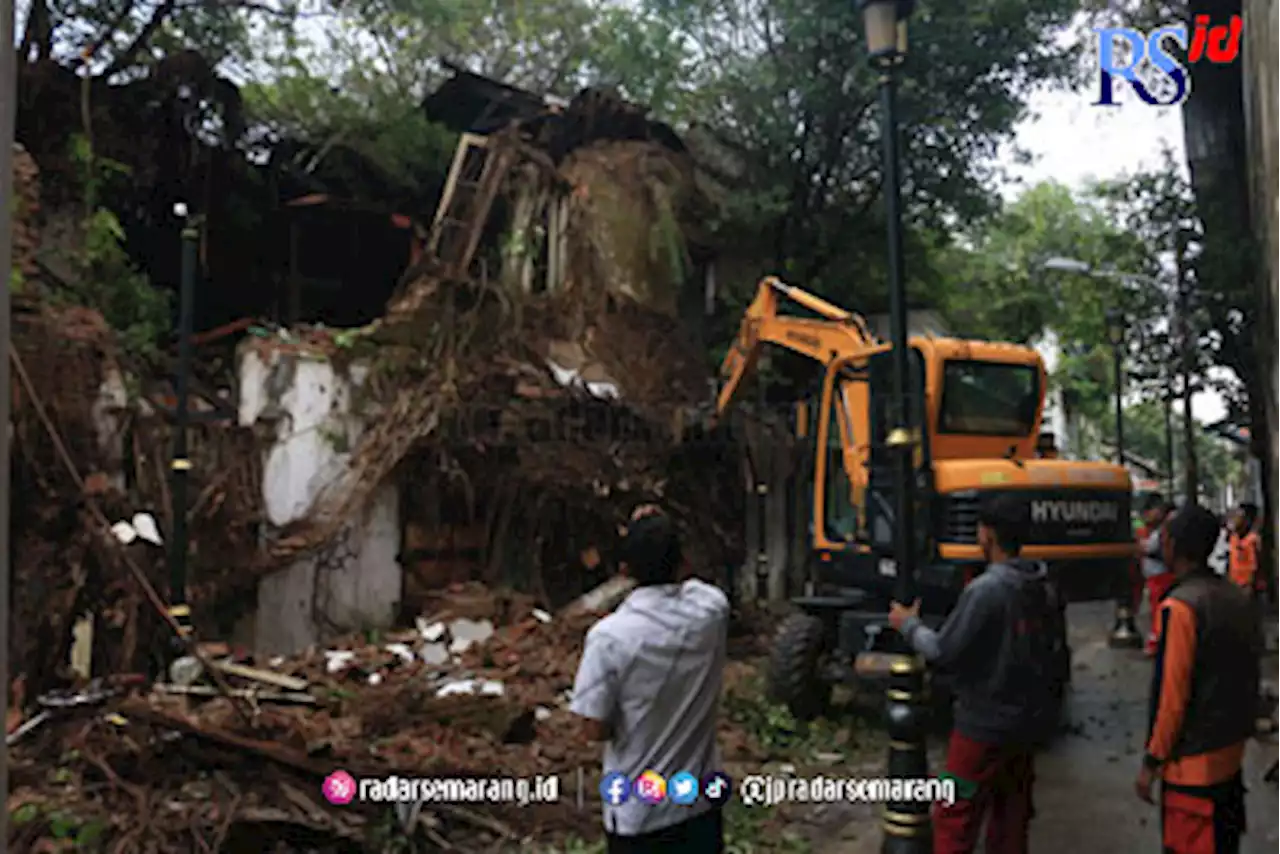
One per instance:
(682, 788)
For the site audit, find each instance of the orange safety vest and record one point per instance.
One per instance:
(1243, 566)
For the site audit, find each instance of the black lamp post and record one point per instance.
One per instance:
(907, 828)
(1124, 633)
(180, 465)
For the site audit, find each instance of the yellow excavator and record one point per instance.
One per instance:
(980, 405)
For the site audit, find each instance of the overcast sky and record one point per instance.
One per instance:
(1074, 142)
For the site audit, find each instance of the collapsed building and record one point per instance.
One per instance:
(532, 378)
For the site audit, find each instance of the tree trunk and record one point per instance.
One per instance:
(1260, 34)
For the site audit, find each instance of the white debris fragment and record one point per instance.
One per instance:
(337, 659)
(431, 632)
(472, 630)
(142, 527)
(471, 687)
(401, 650)
(605, 391)
(276, 661)
(145, 525)
(124, 532)
(434, 653)
(570, 378)
(467, 633)
(375, 678)
(459, 645)
(541, 713)
(541, 616)
(185, 670)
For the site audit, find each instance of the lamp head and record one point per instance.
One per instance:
(884, 23)
(1115, 327)
(1067, 265)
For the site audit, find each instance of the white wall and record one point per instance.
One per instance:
(357, 583)
(1056, 417)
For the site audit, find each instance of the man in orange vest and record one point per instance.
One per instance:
(1203, 697)
(1246, 549)
(1155, 513)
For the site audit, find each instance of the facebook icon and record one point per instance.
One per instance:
(615, 788)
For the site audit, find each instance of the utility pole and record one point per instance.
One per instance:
(1191, 484)
(8, 107)
(1169, 391)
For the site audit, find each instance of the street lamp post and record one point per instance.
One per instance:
(180, 465)
(906, 825)
(1124, 633)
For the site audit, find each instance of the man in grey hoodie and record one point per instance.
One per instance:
(1003, 648)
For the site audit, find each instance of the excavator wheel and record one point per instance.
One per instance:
(794, 675)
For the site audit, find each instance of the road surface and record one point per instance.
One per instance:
(1084, 787)
(1084, 791)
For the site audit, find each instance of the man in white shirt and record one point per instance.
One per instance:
(649, 687)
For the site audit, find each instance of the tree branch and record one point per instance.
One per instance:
(140, 41)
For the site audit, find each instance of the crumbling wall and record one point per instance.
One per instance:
(355, 581)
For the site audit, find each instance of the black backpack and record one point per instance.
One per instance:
(1039, 656)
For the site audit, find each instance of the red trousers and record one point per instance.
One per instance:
(1201, 825)
(1000, 779)
(1157, 587)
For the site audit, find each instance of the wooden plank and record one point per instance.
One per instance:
(267, 677)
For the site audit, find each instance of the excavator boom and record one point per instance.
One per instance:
(836, 333)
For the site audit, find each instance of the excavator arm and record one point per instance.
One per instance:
(835, 333)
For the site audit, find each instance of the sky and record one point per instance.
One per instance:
(1073, 142)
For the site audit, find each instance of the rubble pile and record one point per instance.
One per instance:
(479, 688)
(540, 418)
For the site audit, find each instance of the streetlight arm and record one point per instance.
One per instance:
(1075, 265)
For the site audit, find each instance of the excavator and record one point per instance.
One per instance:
(978, 406)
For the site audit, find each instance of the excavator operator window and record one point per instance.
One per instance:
(840, 513)
(988, 398)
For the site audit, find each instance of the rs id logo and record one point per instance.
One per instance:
(1148, 62)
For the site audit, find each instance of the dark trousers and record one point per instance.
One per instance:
(1207, 820)
(703, 834)
(994, 784)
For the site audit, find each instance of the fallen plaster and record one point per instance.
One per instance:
(358, 584)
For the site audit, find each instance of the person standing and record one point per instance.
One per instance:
(1204, 694)
(1003, 645)
(1245, 551)
(1158, 578)
(649, 687)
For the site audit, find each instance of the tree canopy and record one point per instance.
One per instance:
(783, 84)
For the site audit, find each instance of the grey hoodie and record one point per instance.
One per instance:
(990, 673)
